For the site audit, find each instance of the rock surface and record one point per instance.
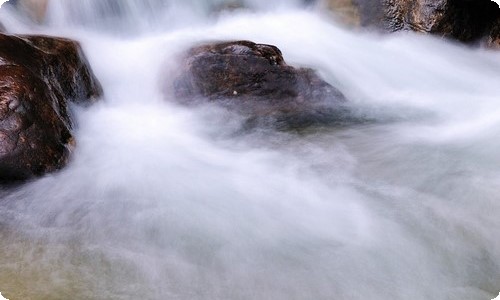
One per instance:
(467, 21)
(38, 76)
(463, 20)
(494, 36)
(34, 133)
(254, 80)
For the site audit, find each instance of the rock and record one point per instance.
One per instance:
(65, 66)
(254, 80)
(34, 132)
(468, 21)
(39, 75)
(494, 36)
(463, 20)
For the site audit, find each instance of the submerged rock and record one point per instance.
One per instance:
(39, 75)
(254, 80)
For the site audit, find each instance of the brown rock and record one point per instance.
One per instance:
(463, 20)
(494, 37)
(60, 62)
(34, 132)
(467, 21)
(254, 80)
(38, 76)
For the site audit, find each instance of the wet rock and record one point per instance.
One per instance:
(60, 62)
(254, 80)
(34, 132)
(463, 20)
(357, 12)
(494, 36)
(467, 21)
(39, 75)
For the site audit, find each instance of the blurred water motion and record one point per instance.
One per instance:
(163, 202)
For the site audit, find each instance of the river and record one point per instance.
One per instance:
(167, 202)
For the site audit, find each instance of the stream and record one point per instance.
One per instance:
(162, 201)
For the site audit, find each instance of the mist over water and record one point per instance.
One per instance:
(166, 202)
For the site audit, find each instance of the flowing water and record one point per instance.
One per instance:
(164, 202)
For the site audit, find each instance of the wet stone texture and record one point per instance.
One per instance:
(463, 20)
(39, 75)
(254, 80)
(468, 21)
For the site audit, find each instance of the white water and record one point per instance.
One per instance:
(163, 202)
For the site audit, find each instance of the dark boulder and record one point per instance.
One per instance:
(494, 37)
(468, 21)
(39, 75)
(254, 80)
(463, 20)
(34, 132)
(60, 62)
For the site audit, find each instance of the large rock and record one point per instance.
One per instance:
(34, 131)
(254, 80)
(463, 20)
(39, 75)
(467, 21)
(60, 62)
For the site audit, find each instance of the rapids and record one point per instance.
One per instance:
(165, 202)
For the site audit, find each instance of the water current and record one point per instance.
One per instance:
(166, 202)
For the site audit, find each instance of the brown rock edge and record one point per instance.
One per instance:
(39, 75)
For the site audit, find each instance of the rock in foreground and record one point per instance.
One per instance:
(38, 76)
(254, 80)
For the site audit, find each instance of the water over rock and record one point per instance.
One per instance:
(356, 12)
(39, 75)
(254, 80)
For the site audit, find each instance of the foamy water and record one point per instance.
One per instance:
(164, 202)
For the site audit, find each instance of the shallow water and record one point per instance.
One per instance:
(164, 202)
